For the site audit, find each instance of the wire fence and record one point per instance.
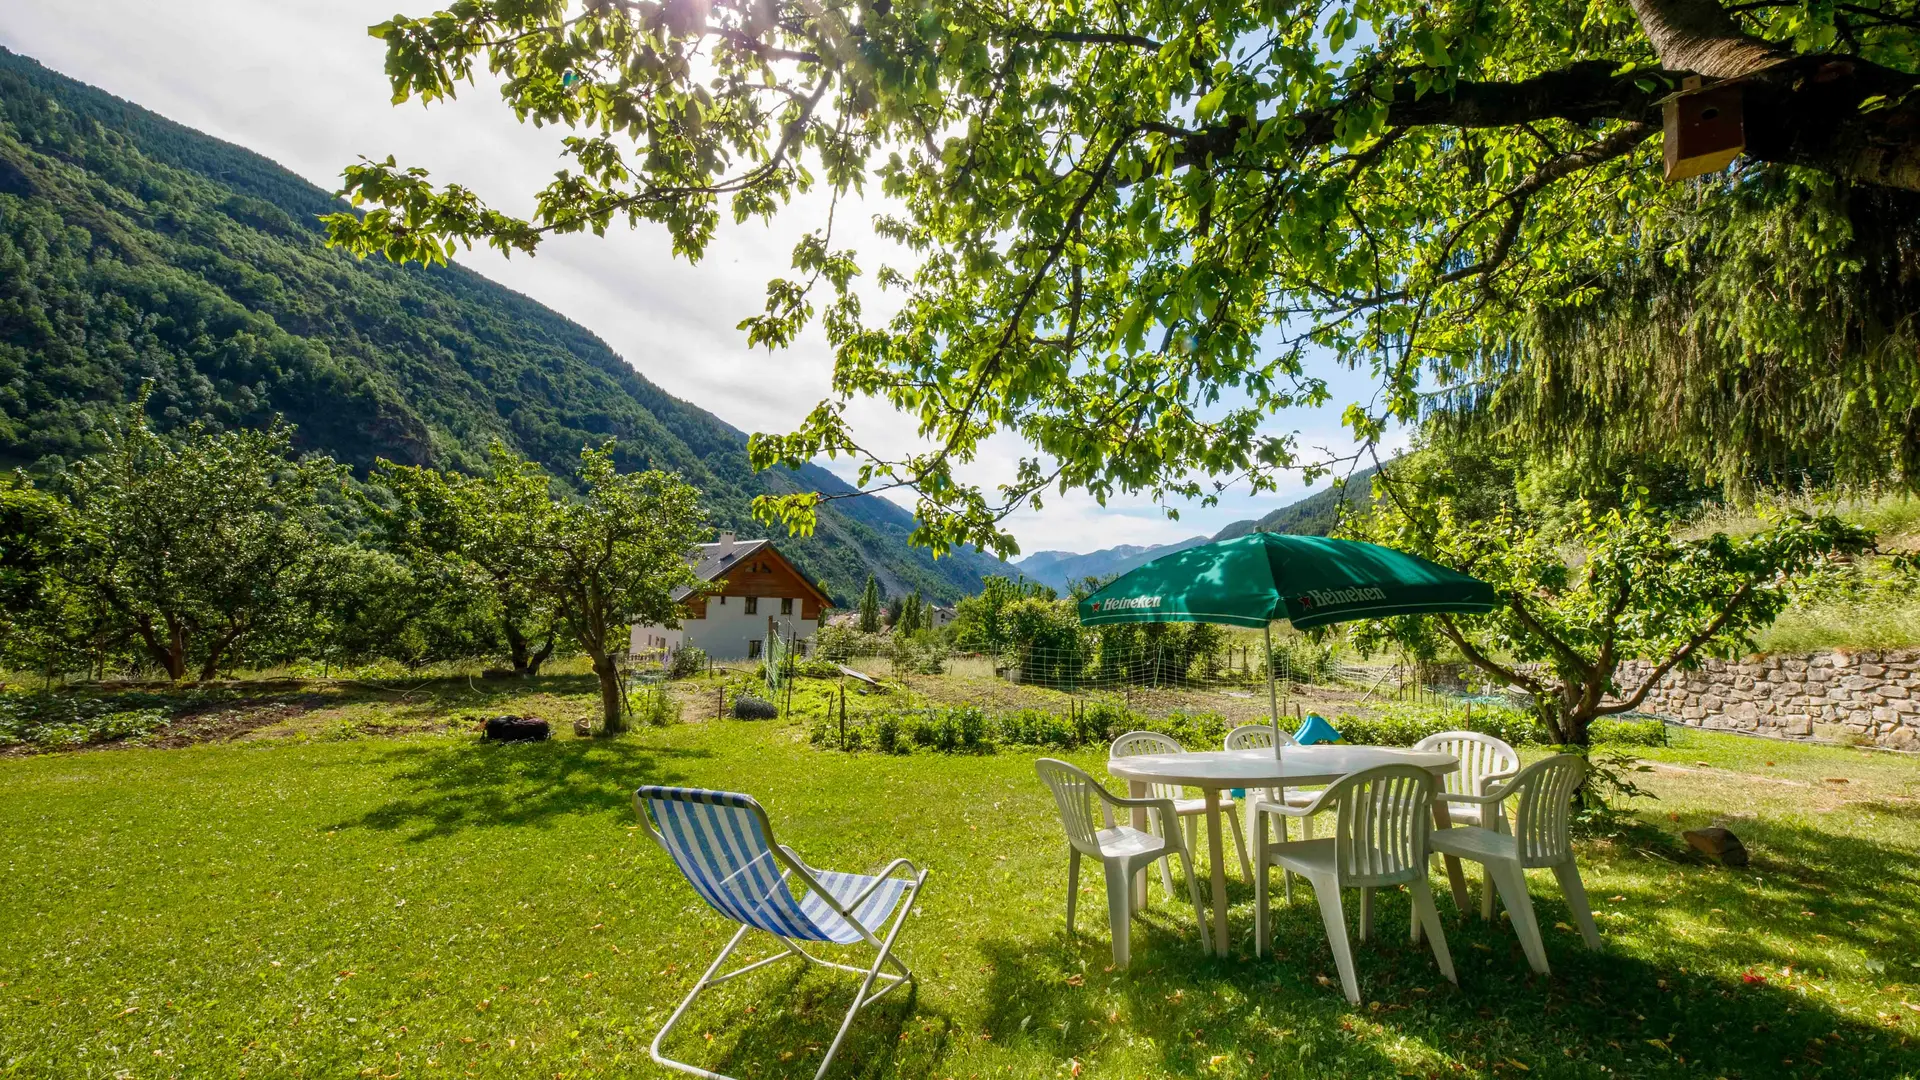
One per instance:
(1142, 668)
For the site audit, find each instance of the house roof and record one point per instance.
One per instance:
(714, 560)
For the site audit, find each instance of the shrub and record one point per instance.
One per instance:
(1195, 731)
(1642, 731)
(688, 661)
(918, 653)
(1301, 659)
(1101, 722)
(934, 729)
(840, 643)
(1406, 724)
(1038, 727)
(886, 734)
(816, 667)
(654, 706)
(749, 707)
(973, 727)
(959, 728)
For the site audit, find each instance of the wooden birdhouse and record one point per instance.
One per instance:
(1704, 129)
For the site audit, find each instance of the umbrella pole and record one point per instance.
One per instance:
(1273, 701)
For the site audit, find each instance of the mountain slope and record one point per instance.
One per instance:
(1315, 515)
(1060, 569)
(134, 250)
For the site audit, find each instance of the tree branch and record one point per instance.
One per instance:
(1582, 92)
(1567, 652)
(1660, 672)
(1482, 661)
(1699, 36)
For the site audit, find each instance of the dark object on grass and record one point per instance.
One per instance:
(748, 707)
(583, 728)
(517, 729)
(1718, 843)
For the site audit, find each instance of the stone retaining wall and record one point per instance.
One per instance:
(1861, 696)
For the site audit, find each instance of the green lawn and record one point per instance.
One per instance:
(426, 905)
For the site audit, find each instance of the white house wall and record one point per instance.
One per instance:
(725, 631)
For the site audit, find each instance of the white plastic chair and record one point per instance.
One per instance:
(1379, 839)
(724, 845)
(1543, 811)
(1122, 850)
(1484, 760)
(1189, 810)
(1269, 800)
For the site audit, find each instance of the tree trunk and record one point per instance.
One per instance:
(613, 717)
(171, 654)
(211, 667)
(526, 659)
(516, 647)
(1562, 713)
(540, 655)
(1699, 36)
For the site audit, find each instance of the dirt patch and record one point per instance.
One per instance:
(223, 722)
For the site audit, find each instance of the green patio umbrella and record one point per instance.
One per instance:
(1308, 580)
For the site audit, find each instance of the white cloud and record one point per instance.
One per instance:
(300, 82)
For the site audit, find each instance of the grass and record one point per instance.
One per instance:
(312, 900)
(1810, 626)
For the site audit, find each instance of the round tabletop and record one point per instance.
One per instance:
(1297, 766)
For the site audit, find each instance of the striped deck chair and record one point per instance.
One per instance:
(724, 845)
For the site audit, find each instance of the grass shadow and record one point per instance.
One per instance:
(476, 784)
(1607, 1013)
(779, 1022)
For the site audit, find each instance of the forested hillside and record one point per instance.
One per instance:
(1315, 515)
(133, 249)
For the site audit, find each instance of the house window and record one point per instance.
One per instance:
(753, 649)
(723, 601)
(786, 606)
(753, 605)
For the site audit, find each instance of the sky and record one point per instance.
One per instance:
(300, 82)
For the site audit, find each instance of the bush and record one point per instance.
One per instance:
(1406, 724)
(816, 667)
(951, 730)
(654, 706)
(886, 734)
(831, 643)
(1301, 659)
(918, 653)
(749, 707)
(1644, 731)
(688, 661)
(1195, 731)
(1038, 727)
(1102, 722)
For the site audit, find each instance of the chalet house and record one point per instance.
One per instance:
(760, 594)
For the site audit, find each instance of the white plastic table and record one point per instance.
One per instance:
(1214, 771)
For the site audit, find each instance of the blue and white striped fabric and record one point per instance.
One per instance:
(716, 839)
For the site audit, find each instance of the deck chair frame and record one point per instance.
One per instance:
(794, 869)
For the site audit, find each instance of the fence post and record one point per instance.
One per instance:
(720, 703)
(843, 712)
(789, 680)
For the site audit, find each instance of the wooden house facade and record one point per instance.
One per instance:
(760, 594)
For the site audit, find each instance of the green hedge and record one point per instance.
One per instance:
(969, 729)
